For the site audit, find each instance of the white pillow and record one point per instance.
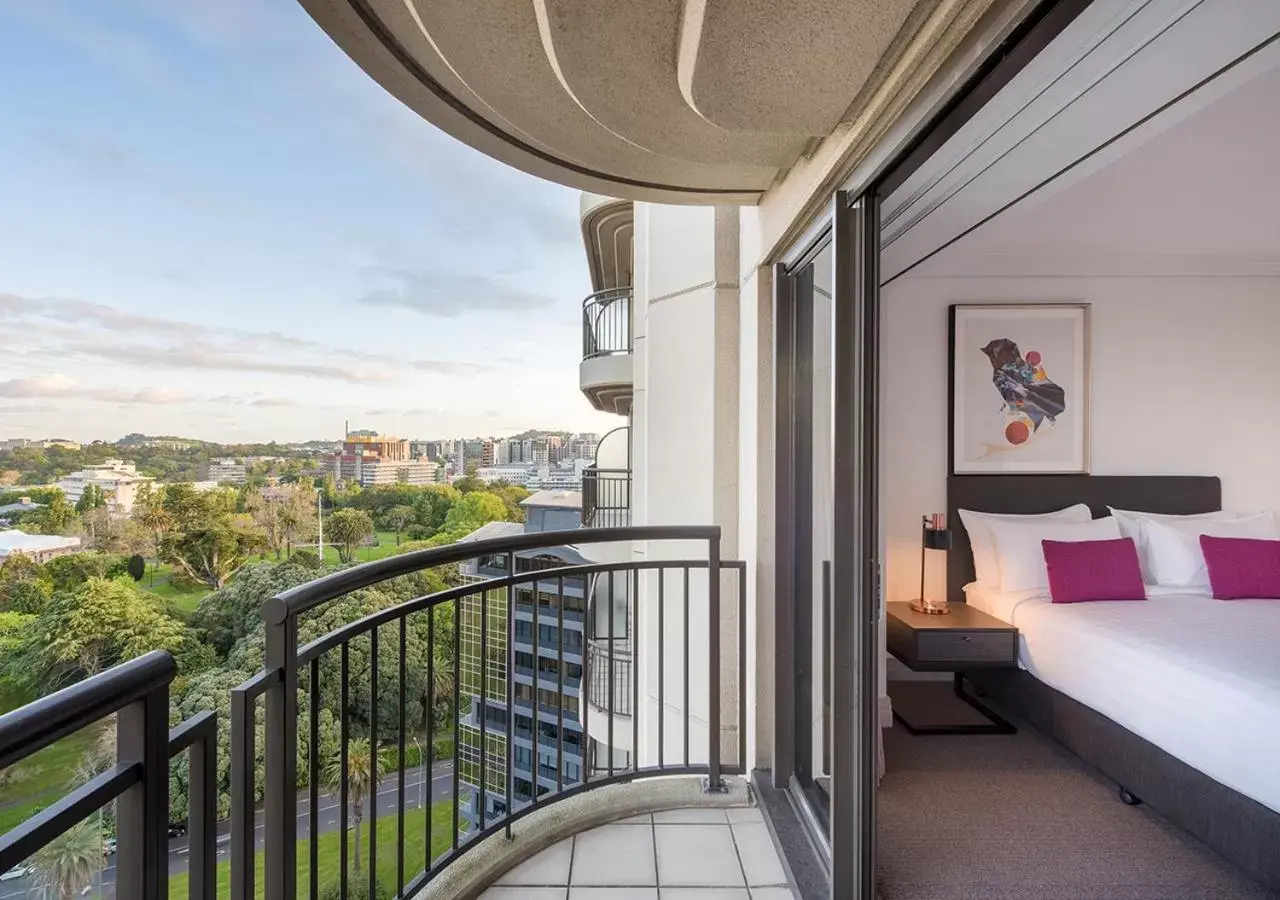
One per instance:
(1174, 547)
(1020, 552)
(1130, 522)
(978, 526)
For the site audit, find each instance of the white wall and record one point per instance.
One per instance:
(685, 450)
(1183, 383)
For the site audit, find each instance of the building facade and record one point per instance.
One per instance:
(118, 479)
(225, 471)
(550, 746)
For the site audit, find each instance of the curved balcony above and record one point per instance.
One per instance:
(609, 695)
(684, 101)
(606, 373)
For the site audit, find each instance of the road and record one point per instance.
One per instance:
(179, 852)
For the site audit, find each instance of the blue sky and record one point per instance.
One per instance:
(213, 224)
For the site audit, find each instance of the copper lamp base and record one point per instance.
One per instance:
(931, 607)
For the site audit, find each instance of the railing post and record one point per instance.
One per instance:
(202, 816)
(714, 783)
(281, 738)
(142, 818)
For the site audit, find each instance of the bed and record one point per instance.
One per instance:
(1176, 699)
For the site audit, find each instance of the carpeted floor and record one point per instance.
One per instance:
(1013, 817)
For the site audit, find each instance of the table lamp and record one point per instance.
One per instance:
(934, 536)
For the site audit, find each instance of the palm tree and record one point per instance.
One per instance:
(67, 864)
(441, 686)
(155, 518)
(364, 771)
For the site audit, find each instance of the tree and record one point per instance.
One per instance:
(208, 541)
(348, 529)
(100, 624)
(71, 570)
(397, 517)
(66, 865)
(137, 567)
(296, 515)
(150, 513)
(434, 503)
(25, 586)
(55, 517)
(363, 773)
(94, 497)
(266, 516)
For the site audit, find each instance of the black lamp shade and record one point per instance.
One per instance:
(937, 539)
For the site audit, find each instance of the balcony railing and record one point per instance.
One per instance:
(448, 627)
(606, 497)
(137, 693)
(612, 683)
(606, 323)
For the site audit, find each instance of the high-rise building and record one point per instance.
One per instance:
(487, 452)
(369, 459)
(546, 718)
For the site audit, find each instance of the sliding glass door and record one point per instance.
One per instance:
(827, 597)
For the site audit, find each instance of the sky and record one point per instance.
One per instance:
(214, 224)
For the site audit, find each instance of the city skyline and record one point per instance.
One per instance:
(216, 226)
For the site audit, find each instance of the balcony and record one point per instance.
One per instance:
(606, 497)
(606, 370)
(355, 680)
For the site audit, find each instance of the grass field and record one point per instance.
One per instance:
(48, 772)
(185, 599)
(415, 841)
(182, 597)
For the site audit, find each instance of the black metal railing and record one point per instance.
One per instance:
(606, 323)
(469, 629)
(137, 693)
(611, 682)
(606, 497)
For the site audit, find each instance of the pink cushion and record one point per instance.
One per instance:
(1083, 571)
(1242, 568)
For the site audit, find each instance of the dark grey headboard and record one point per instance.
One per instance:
(1028, 494)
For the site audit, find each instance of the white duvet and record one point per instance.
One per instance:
(1198, 677)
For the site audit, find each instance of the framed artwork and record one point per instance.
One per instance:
(1019, 388)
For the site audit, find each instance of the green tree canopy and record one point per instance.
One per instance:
(208, 541)
(348, 529)
(25, 585)
(98, 625)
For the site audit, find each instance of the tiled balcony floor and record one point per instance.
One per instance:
(686, 854)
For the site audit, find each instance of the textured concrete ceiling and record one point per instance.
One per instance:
(676, 100)
(608, 229)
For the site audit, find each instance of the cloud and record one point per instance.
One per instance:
(440, 293)
(57, 386)
(77, 328)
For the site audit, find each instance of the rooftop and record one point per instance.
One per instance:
(12, 539)
(558, 499)
(493, 530)
(23, 505)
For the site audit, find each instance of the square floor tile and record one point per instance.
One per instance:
(690, 817)
(759, 856)
(613, 893)
(614, 856)
(644, 819)
(523, 893)
(697, 855)
(551, 866)
(696, 893)
(772, 893)
(740, 814)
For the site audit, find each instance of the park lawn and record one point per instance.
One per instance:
(52, 769)
(414, 839)
(183, 598)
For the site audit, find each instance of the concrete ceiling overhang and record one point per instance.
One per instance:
(686, 101)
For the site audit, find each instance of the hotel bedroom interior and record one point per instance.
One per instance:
(1097, 502)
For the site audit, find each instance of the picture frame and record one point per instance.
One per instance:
(1019, 388)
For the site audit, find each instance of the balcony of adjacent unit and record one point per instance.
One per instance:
(606, 483)
(606, 370)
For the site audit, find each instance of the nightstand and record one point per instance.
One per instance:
(966, 639)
